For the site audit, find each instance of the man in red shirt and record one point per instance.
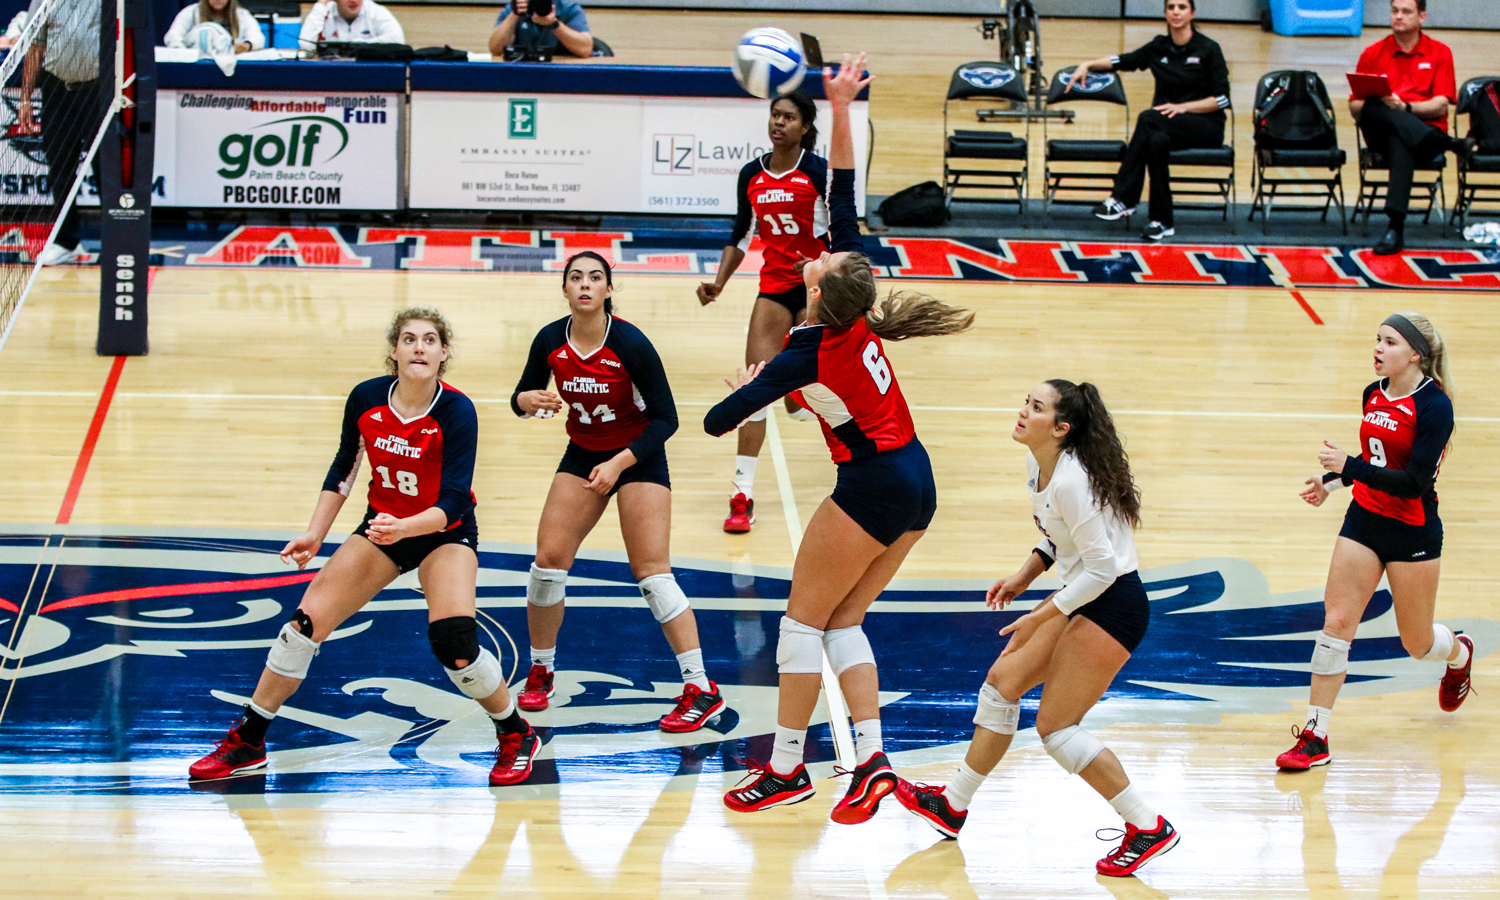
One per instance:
(1410, 125)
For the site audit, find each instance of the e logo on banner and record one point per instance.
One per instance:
(521, 122)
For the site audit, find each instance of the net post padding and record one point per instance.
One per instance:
(126, 163)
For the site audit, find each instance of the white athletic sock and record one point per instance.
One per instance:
(1133, 809)
(786, 753)
(866, 740)
(544, 657)
(1463, 655)
(744, 475)
(255, 708)
(504, 713)
(1317, 721)
(691, 664)
(960, 791)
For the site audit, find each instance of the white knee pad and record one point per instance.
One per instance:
(996, 713)
(664, 596)
(479, 678)
(1073, 748)
(846, 648)
(1330, 655)
(292, 653)
(546, 586)
(800, 649)
(1442, 643)
(760, 414)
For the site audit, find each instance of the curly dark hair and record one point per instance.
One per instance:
(425, 314)
(1093, 439)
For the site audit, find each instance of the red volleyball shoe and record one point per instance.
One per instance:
(1310, 750)
(513, 758)
(1137, 848)
(741, 514)
(231, 756)
(929, 803)
(1454, 687)
(538, 691)
(769, 789)
(871, 782)
(694, 709)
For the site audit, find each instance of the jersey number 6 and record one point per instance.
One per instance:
(880, 370)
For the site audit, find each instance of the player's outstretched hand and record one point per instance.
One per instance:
(843, 86)
(301, 549)
(539, 403)
(1005, 590)
(1314, 493)
(385, 529)
(1332, 458)
(708, 292)
(743, 377)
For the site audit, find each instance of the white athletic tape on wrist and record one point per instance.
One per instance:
(846, 648)
(480, 678)
(995, 713)
(1442, 643)
(546, 587)
(664, 596)
(292, 653)
(799, 651)
(1330, 655)
(760, 414)
(1073, 748)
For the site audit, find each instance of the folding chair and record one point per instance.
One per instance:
(995, 162)
(1426, 183)
(1298, 140)
(1478, 178)
(1219, 186)
(1092, 164)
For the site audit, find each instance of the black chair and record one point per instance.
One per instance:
(1092, 164)
(601, 49)
(1478, 178)
(1295, 136)
(1426, 183)
(1005, 158)
(1219, 186)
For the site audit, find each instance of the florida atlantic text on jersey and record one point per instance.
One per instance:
(789, 212)
(1402, 442)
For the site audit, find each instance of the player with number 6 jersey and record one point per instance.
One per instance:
(420, 435)
(836, 366)
(614, 392)
(1391, 528)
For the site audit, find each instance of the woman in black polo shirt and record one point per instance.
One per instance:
(1192, 92)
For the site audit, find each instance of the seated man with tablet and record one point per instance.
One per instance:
(1405, 118)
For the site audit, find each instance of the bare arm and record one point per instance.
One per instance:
(733, 256)
(302, 549)
(29, 71)
(579, 43)
(505, 32)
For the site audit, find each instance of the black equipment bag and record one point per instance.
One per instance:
(1295, 114)
(1484, 118)
(922, 204)
(444, 53)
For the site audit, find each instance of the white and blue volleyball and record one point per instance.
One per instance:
(768, 63)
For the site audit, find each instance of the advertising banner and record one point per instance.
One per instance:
(594, 153)
(278, 150)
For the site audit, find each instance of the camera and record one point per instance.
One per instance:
(539, 8)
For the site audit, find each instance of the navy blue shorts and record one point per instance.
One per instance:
(1392, 539)
(408, 554)
(578, 461)
(890, 493)
(794, 299)
(1123, 611)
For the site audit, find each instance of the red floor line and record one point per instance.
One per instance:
(1306, 307)
(85, 455)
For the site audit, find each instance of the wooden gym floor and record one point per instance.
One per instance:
(224, 433)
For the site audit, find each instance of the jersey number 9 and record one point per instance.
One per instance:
(880, 370)
(1377, 452)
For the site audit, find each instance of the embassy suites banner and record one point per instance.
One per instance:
(279, 149)
(594, 153)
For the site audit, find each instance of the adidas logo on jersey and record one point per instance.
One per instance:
(376, 416)
(582, 385)
(610, 362)
(1381, 419)
(398, 446)
(776, 195)
(562, 354)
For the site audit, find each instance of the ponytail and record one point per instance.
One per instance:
(1435, 364)
(848, 293)
(1093, 439)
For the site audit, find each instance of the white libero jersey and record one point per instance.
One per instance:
(1092, 547)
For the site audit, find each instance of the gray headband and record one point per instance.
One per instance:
(1409, 331)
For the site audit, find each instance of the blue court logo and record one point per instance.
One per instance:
(128, 656)
(987, 76)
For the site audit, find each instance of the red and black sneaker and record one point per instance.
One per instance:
(231, 756)
(1310, 750)
(513, 758)
(1455, 685)
(741, 514)
(538, 690)
(769, 789)
(929, 803)
(1137, 848)
(871, 782)
(694, 709)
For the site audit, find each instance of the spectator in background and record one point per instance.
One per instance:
(239, 22)
(530, 34)
(350, 20)
(1410, 125)
(63, 61)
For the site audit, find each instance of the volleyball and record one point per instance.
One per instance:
(768, 63)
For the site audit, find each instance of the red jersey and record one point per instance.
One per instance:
(1424, 73)
(416, 463)
(788, 211)
(617, 396)
(1402, 442)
